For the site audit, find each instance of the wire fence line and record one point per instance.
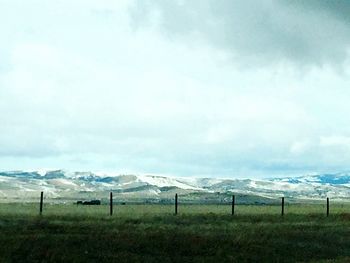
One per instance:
(177, 203)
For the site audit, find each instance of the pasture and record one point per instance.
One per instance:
(152, 233)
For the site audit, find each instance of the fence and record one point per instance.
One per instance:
(176, 204)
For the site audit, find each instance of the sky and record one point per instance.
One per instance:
(238, 89)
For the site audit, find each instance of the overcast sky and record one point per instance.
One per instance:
(186, 88)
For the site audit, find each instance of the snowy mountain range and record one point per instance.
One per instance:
(61, 185)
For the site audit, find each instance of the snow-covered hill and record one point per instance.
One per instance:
(61, 184)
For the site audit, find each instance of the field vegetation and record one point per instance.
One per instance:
(152, 233)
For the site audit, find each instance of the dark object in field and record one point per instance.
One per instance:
(92, 202)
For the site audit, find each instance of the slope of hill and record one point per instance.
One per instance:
(60, 184)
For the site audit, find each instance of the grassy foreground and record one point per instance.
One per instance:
(151, 233)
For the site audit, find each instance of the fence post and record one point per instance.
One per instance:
(327, 206)
(282, 212)
(175, 204)
(41, 202)
(233, 205)
(111, 203)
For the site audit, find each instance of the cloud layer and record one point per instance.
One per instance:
(159, 87)
(308, 33)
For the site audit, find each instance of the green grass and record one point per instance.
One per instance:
(151, 233)
(139, 210)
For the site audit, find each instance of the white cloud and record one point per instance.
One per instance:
(300, 147)
(335, 140)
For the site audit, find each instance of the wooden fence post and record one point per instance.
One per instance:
(282, 212)
(41, 202)
(175, 204)
(327, 206)
(233, 205)
(111, 203)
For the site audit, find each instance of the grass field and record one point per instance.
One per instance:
(151, 233)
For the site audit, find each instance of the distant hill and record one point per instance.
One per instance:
(66, 185)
